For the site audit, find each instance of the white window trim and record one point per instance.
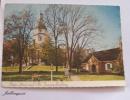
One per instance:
(106, 66)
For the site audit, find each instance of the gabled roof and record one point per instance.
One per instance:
(105, 55)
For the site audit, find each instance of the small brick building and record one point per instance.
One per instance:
(103, 61)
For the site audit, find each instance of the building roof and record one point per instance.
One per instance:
(105, 55)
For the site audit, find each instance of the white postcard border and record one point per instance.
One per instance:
(46, 84)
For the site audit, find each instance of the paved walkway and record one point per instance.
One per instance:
(75, 78)
(27, 68)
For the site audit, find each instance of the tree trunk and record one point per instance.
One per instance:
(70, 61)
(20, 59)
(56, 61)
(26, 62)
(20, 67)
(20, 63)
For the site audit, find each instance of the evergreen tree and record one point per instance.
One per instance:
(48, 50)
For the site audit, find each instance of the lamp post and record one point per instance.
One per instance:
(12, 60)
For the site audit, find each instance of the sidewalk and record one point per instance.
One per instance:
(75, 78)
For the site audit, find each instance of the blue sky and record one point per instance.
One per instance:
(108, 17)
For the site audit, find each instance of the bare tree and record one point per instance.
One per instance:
(70, 25)
(52, 24)
(78, 29)
(18, 26)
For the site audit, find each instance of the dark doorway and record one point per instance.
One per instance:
(93, 68)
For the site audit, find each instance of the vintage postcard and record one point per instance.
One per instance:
(60, 45)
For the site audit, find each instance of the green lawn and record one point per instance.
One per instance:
(11, 74)
(11, 69)
(45, 68)
(27, 77)
(100, 77)
(34, 68)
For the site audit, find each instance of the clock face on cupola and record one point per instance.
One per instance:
(40, 31)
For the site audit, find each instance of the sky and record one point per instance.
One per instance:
(108, 19)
